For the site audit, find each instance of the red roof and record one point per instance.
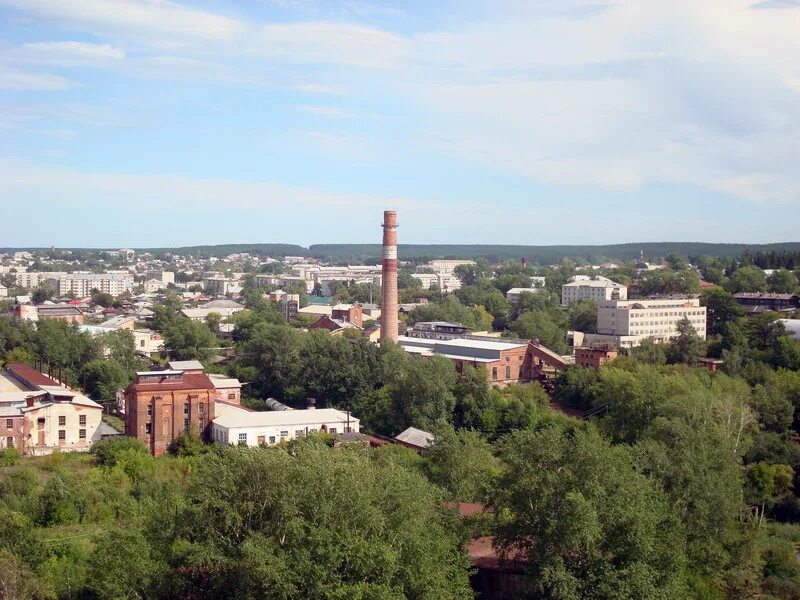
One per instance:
(482, 555)
(189, 381)
(29, 375)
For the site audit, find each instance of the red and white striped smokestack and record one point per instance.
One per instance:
(389, 315)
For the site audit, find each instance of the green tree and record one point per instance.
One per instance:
(243, 542)
(102, 379)
(782, 281)
(122, 566)
(590, 525)
(648, 351)
(41, 294)
(185, 339)
(462, 463)
(687, 347)
(583, 316)
(721, 308)
(538, 324)
(472, 274)
(102, 298)
(746, 279)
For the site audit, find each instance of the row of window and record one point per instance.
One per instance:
(495, 372)
(62, 421)
(242, 438)
(62, 435)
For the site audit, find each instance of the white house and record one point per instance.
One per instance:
(239, 426)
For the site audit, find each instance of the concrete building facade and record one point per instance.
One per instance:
(637, 320)
(247, 428)
(599, 289)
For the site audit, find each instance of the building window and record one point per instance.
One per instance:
(494, 372)
(231, 396)
(284, 434)
(186, 424)
(201, 408)
(9, 423)
(272, 439)
(508, 372)
(299, 433)
(9, 442)
(148, 428)
(243, 438)
(82, 434)
(149, 410)
(261, 440)
(186, 408)
(62, 435)
(82, 420)
(62, 420)
(141, 343)
(331, 429)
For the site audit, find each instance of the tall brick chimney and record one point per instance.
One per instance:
(389, 315)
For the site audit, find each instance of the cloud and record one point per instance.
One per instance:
(66, 54)
(146, 19)
(330, 43)
(16, 80)
(33, 181)
(328, 111)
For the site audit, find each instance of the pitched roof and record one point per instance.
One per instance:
(415, 437)
(30, 375)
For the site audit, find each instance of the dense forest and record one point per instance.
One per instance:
(494, 253)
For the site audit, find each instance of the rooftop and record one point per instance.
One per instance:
(282, 417)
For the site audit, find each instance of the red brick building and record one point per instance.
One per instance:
(351, 313)
(594, 358)
(159, 405)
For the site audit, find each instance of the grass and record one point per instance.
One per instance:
(115, 422)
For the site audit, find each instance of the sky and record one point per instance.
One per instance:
(136, 123)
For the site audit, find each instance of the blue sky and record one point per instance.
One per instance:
(153, 123)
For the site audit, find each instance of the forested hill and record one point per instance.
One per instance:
(533, 254)
(545, 254)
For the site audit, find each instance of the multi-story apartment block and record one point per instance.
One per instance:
(599, 289)
(445, 282)
(82, 284)
(447, 266)
(625, 323)
(35, 279)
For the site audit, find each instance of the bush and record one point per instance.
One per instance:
(8, 457)
(108, 450)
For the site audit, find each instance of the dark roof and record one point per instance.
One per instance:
(29, 375)
(189, 381)
(761, 296)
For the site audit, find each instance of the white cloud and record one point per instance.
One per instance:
(330, 43)
(145, 19)
(17, 80)
(66, 54)
(334, 112)
(32, 181)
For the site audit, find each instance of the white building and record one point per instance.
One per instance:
(625, 323)
(82, 284)
(599, 289)
(446, 283)
(238, 426)
(447, 266)
(513, 295)
(35, 279)
(38, 414)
